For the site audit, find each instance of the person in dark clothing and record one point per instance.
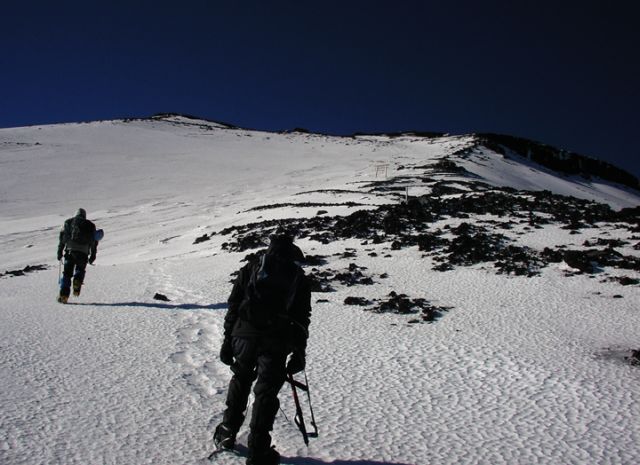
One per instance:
(79, 246)
(266, 323)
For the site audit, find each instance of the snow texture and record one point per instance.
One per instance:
(516, 370)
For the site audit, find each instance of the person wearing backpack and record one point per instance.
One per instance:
(79, 245)
(265, 337)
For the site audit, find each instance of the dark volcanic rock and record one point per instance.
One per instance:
(519, 261)
(445, 165)
(587, 260)
(361, 301)
(319, 281)
(624, 280)
(27, 269)
(473, 245)
(402, 304)
(406, 224)
(579, 260)
(353, 276)
(200, 239)
(605, 242)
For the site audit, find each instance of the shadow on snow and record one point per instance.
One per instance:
(312, 461)
(242, 451)
(166, 306)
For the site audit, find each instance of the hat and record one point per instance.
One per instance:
(82, 213)
(283, 246)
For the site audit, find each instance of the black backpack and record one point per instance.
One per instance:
(80, 231)
(270, 292)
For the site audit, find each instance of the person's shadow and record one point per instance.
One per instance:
(312, 461)
(162, 305)
(243, 451)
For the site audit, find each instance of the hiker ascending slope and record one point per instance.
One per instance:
(79, 244)
(267, 321)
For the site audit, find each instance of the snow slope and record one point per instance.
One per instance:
(519, 371)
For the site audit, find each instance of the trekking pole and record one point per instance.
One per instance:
(313, 418)
(299, 418)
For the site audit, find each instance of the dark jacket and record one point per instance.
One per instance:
(65, 241)
(292, 329)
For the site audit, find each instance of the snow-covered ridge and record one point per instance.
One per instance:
(176, 154)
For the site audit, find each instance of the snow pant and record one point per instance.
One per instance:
(75, 265)
(264, 359)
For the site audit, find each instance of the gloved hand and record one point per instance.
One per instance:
(297, 362)
(226, 352)
(92, 259)
(60, 254)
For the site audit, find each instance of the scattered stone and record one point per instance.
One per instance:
(319, 281)
(578, 259)
(162, 297)
(203, 238)
(27, 269)
(401, 304)
(551, 256)
(587, 261)
(353, 276)
(447, 166)
(347, 254)
(518, 261)
(624, 280)
(360, 301)
(443, 188)
(605, 242)
(406, 224)
(443, 267)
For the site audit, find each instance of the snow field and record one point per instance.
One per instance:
(518, 371)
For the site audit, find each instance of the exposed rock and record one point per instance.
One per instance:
(27, 269)
(203, 238)
(402, 304)
(360, 301)
(624, 280)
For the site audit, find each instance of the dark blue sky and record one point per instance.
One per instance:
(565, 73)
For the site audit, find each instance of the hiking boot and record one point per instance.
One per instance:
(77, 284)
(268, 457)
(224, 437)
(62, 299)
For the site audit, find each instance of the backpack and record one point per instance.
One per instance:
(270, 292)
(80, 231)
